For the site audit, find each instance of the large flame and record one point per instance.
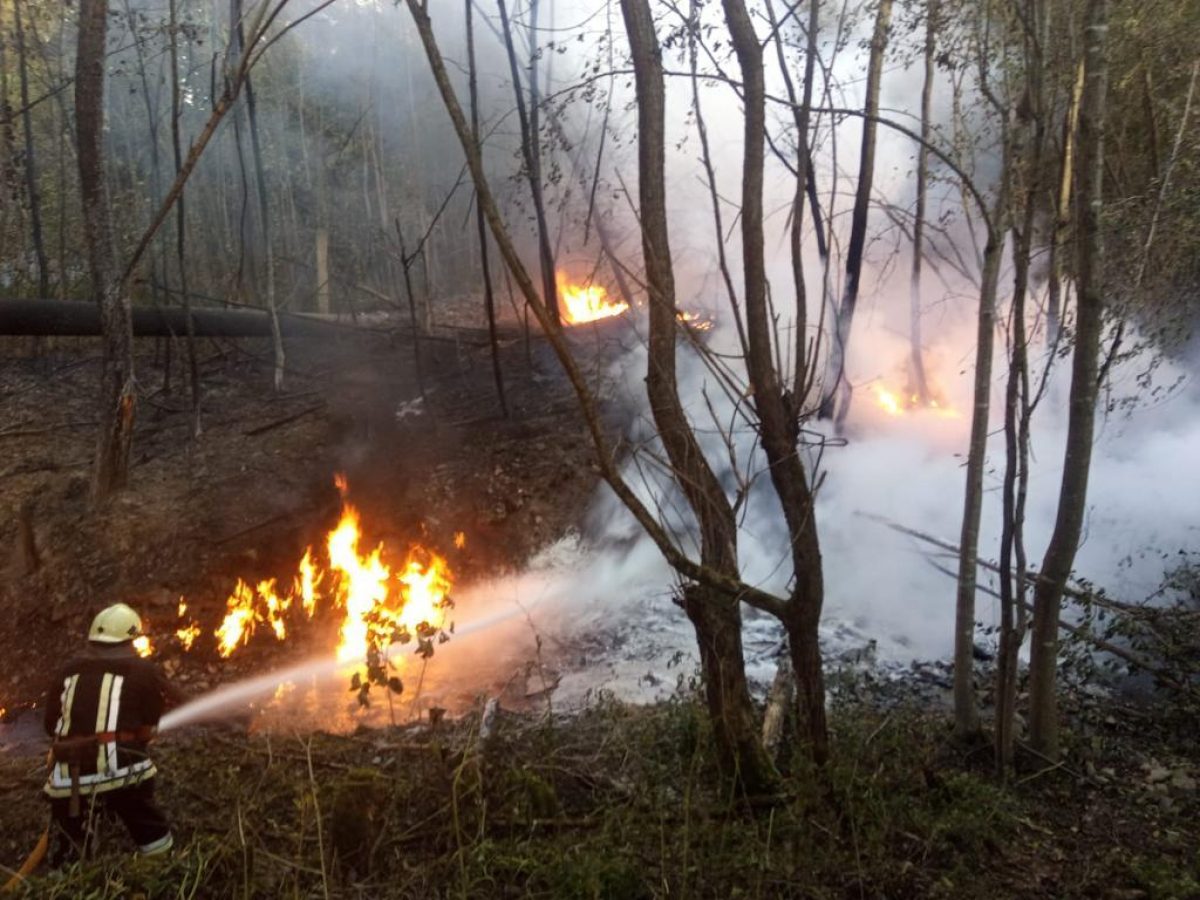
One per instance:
(377, 606)
(586, 302)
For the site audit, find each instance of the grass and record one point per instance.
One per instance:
(623, 802)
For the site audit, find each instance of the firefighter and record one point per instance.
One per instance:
(102, 709)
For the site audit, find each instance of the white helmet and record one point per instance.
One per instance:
(115, 625)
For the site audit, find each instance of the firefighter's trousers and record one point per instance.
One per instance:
(134, 806)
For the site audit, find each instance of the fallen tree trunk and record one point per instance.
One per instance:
(82, 319)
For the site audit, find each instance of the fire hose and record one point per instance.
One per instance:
(31, 862)
(36, 855)
(39, 851)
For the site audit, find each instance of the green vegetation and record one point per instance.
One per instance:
(621, 801)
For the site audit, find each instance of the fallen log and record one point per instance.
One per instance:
(74, 318)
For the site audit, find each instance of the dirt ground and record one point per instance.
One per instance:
(245, 498)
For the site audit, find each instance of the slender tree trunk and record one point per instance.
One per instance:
(324, 304)
(916, 352)
(836, 394)
(1012, 583)
(118, 395)
(1055, 302)
(1072, 499)
(31, 179)
(264, 216)
(966, 713)
(406, 266)
(716, 618)
(158, 267)
(801, 113)
(778, 425)
(1030, 194)
(9, 196)
(489, 300)
(531, 151)
(181, 223)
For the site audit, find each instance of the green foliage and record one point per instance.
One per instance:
(622, 801)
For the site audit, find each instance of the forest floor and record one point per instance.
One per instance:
(247, 497)
(614, 801)
(623, 801)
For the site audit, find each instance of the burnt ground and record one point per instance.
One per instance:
(257, 487)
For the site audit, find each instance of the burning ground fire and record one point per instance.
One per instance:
(379, 605)
(586, 302)
(582, 303)
(899, 403)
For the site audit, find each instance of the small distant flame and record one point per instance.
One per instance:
(188, 633)
(586, 303)
(460, 540)
(697, 321)
(142, 645)
(895, 403)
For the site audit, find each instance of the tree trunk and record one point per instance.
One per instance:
(264, 216)
(778, 424)
(324, 304)
(966, 714)
(1072, 498)
(531, 151)
(916, 352)
(181, 224)
(76, 318)
(31, 180)
(835, 392)
(1062, 216)
(715, 617)
(489, 300)
(1018, 407)
(118, 396)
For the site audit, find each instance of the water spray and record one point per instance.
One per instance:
(236, 696)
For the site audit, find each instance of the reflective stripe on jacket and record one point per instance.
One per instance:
(100, 711)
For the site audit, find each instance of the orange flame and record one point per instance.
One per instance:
(239, 622)
(306, 583)
(697, 321)
(460, 540)
(895, 403)
(377, 606)
(586, 303)
(188, 633)
(142, 645)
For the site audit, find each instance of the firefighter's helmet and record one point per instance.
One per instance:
(115, 625)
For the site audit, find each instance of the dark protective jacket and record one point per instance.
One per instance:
(101, 709)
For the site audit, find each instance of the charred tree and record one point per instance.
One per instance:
(489, 300)
(118, 395)
(835, 397)
(1072, 498)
